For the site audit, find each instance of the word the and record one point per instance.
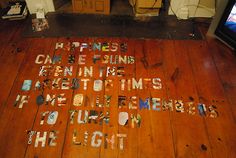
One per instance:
(49, 137)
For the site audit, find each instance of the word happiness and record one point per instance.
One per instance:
(93, 46)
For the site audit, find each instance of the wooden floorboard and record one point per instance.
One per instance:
(179, 71)
(225, 63)
(210, 91)
(12, 52)
(15, 121)
(181, 87)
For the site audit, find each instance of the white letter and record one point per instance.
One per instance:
(40, 139)
(37, 60)
(99, 141)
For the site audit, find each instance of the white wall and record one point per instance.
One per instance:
(33, 5)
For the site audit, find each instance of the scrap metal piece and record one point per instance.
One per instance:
(107, 100)
(58, 71)
(43, 114)
(72, 114)
(167, 105)
(97, 86)
(59, 45)
(86, 138)
(123, 118)
(56, 59)
(133, 102)
(213, 111)
(75, 83)
(52, 117)
(108, 85)
(65, 83)
(37, 85)
(135, 120)
(26, 85)
(52, 137)
(86, 116)
(96, 142)
(144, 104)
(179, 106)
(30, 135)
(202, 109)
(96, 57)
(50, 99)
(21, 100)
(123, 47)
(121, 140)
(78, 100)
(17, 100)
(93, 116)
(61, 99)
(156, 104)
(40, 100)
(191, 108)
(68, 70)
(121, 101)
(109, 141)
(98, 104)
(40, 139)
(71, 59)
(74, 137)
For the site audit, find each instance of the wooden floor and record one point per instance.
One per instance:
(128, 115)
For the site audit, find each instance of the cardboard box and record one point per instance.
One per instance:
(147, 12)
(148, 3)
(91, 6)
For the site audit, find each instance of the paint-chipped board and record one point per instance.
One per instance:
(221, 131)
(10, 32)
(149, 135)
(130, 144)
(6, 31)
(10, 62)
(12, 51)
(180, 85)
(225, 62)
(79, 135)
(110, 130)
(16, 121)
(53, 108)
(160, 120)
